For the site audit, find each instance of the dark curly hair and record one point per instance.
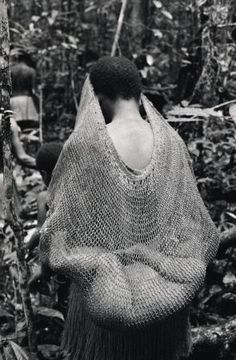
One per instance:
(116, 77)
(47, 156)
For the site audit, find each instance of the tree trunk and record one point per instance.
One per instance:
(15, 223)
(138, 21)
(5, 83)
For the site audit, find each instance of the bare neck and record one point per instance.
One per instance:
(126, 110)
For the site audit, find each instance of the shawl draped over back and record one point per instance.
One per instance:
(136, 246)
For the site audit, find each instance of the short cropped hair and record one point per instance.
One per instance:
(47, 156)
(116, 77)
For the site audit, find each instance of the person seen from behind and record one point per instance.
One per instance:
(24, 102)
(22, 158)
(46, 159)
(126, 224)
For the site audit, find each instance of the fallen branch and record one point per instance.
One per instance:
(119, 27)
(191, 113)
(226, 25)
(214, 336)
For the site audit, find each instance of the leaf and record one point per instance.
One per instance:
(194, 112)
(149, 59)
(186, 62)
(48, 312)
(201, 2)
(65, 45)
(49, 350)
(232, 112)
(205, 180)
(52, 18)
(157, 33)
(144, 72)
(30, 232)
(167, 14)
(20, 354)
(4, 314)
(31, 27)
(231, 215)
(186, 111)
(229, 279)
(158, 4)
(35, 18)
(213, 292)
(214, 113)
(72, 39)
(21, 325)
(15, 30)
(73, 46)
(90, 8)
(185, 103)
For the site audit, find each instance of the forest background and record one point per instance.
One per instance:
(186, 54)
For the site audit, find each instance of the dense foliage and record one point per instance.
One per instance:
(185, 53)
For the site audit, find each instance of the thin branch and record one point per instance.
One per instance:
(74, 95)
(223, 104)
(41, 114)
(226, 25)
(119, 27)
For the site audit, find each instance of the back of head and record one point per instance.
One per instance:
(23, 78)
(116, 77)
(47, 157)
(21, 56)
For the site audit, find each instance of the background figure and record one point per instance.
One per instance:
(21, 156)
(46, 160)
(24, 102)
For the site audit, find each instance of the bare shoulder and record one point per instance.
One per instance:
(14, 126)
(42, 207)
(42, 198)
(133, 129)
(133, 141)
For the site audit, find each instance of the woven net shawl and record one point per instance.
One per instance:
(137, 246)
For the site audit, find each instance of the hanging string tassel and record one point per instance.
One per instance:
(83, 340)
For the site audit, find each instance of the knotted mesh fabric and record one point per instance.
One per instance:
(137, 246)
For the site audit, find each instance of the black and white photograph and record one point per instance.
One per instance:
(117, 180)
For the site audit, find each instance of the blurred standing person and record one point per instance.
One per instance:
(23, 158)
(46, 160)
(24, 102)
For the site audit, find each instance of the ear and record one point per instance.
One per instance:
(140, 101)
(44, 175)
